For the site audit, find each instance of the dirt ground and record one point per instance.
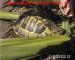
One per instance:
(4, 25)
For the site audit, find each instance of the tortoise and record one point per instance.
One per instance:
(33, 26)
(35, 22)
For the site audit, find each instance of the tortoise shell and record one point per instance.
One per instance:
(34, 26)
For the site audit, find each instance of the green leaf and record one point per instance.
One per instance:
(14, 48)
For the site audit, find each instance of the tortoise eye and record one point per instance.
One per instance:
(39, 28)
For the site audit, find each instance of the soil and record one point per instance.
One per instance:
(4, 25)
